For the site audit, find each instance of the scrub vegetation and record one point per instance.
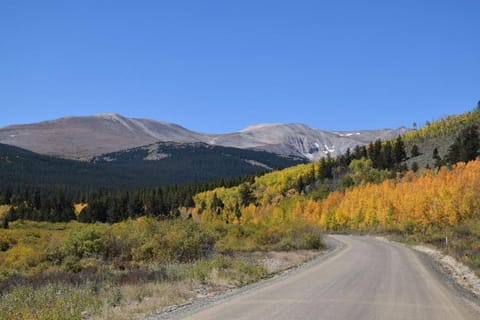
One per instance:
(121, 253)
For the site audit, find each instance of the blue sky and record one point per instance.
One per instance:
(218, 66)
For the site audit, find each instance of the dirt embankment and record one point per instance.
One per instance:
(460, 273)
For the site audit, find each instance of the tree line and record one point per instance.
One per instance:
(58, 204)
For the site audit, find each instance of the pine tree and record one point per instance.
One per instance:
(466, 146)
(437, 159)
(399, 153)
(414, 167)
(246, 194)
(414, 152)
(5, 222)
(217, 204)
(374, 151)
(238, 212)
(388, 158)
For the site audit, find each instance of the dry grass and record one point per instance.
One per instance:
(140, 299)
(133, 300)
(94, 268)
(276, 261)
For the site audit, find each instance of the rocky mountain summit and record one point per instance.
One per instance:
(90, 136)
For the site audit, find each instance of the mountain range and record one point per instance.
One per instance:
(87, 137)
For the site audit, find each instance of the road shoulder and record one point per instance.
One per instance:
(333, 248)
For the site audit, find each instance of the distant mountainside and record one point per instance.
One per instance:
(198, 156)
(153, 165)
(302, 141)
(87, 137)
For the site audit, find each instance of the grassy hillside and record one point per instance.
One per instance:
(438, 134)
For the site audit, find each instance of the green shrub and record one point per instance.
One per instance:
(183, 241)
(88, 241)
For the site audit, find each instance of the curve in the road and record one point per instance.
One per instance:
(368, 279)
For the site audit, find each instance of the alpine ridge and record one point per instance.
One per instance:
(88, 136)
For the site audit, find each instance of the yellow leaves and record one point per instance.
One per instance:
(29, 248)
(298, 211)
(78, 207)
(20, 256)
(271, 192)
(4, 209)
(443, 126)
(312, 211)
(421, 201)
(446, 197)
(249, 214)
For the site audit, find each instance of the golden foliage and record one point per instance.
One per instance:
(4, 209)
(269, 191)
(431, 200)
(448, 125)
(417, 202)
(78, 207)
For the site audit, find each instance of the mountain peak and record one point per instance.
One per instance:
(260, 126)
(264, 126)
(86, 137)
(110, 116)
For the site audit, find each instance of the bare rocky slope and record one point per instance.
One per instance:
(86, 137)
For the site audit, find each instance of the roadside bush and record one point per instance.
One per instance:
(175, 241)
(88, 241)
(279, 237)
(311, 239)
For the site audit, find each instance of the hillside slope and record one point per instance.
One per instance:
(181, 163)
(438, 135)
(84, 137)
(353, 195)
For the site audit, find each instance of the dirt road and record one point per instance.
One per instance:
(367, 279)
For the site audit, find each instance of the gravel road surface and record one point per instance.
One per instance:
(364, 278)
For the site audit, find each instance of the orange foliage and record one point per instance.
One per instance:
(429, 200)
(415, 202)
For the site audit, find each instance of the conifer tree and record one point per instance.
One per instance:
(388, 157)
(217, 204)
(466, 146)
(5, 222)
(374, 151)
(414, 167)
(246, 194)
(437, 159)
(399, 153)
(414, 152)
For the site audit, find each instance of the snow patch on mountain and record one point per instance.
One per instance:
(87, 137)
(258, 164)
(155, 156)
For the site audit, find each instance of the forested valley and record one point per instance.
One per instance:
(101, 246)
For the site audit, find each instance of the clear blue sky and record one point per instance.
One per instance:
(218, 66)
